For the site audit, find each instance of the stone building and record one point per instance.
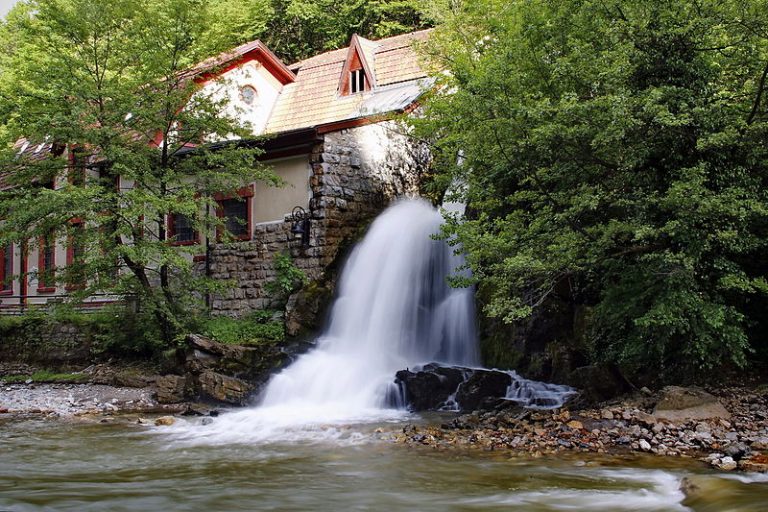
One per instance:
(333, 137)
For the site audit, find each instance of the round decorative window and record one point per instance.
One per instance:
(248, 94)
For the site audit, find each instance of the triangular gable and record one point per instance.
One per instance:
(359, 56)
(255, 50)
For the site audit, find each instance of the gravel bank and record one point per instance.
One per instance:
(632, 425)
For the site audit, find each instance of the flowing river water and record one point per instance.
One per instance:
(77, 467)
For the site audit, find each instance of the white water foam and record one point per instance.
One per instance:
(654, 490)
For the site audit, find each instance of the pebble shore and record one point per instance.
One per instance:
(740, 442)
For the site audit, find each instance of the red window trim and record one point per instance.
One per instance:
(44, 286)
(76, 223)
(3, 277)
(245, 193)
(171, 229)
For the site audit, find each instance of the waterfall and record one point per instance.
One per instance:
(394, 309)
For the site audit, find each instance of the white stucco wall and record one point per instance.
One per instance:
(229, 85)
(273, 203)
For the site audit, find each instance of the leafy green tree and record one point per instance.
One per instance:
(297, 29)
(109, 79)
(613, 154)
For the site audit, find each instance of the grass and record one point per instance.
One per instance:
(47, 377)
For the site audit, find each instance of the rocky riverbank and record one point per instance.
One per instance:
(200, 372)
(727, 428)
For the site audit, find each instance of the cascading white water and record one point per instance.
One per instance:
(394, 309)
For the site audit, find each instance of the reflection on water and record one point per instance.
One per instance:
(54, 466)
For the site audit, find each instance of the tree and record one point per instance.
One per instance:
(297, 29)
(614, 154)
(110, 80)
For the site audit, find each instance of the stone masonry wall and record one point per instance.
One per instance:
(356, 173)
(50, 345)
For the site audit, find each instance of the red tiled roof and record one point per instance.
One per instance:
(313, 99)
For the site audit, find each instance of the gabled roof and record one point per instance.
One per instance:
(310, 94)
(214, 66)
(313, 99)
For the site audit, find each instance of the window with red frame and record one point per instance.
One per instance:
(46, 267)
(235, 213)
(6, 269)
(181, 230)
(75, 254)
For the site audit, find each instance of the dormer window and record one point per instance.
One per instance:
(357, 81)
(248, 94)
(357, 74)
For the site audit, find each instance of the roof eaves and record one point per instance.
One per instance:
(211, 65)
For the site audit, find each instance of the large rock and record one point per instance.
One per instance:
(678, 404)
(428, 388)
(305, 309)
(482, 389)
(228, 373)
(171, 389)
(222, 388)
(436, 387)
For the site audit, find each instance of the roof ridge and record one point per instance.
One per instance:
(345, 49)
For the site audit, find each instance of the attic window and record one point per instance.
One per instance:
(357, 81)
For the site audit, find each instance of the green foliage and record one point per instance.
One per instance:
(118, 331)
(9, 324)
(614, 155)
(256, 329)
(288, 277)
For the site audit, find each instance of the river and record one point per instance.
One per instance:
(48, 465)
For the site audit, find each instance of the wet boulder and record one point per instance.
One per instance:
(223, 388)
(171, 389)
(429, 387)
(437, 387)
(482, 390)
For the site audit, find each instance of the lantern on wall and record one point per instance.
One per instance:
(300, 226)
